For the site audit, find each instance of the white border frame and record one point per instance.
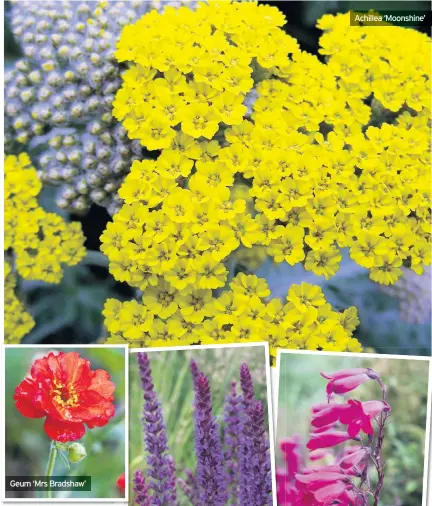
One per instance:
(427, 469)
(169, 349)
(54, 348)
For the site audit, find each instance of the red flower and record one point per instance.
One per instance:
(64, 389)
(121, 482)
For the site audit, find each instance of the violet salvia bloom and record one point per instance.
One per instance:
(160, 464)
(211, 477)
(194, 371)
(190, 488)
(232, 439)
(245, 457)
(141, 490)
(260, 468)
(247, 385)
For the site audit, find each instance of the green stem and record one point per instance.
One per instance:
(50, 467)
(95, 258)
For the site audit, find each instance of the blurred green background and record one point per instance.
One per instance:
(27, 445)
(173, 384)
(301, 386)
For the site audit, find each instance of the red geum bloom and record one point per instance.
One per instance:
(63, 388)
(360, 419)
(121, 482)
(327, 439)
(347, 380)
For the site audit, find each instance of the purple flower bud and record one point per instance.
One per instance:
(232, 440)
(160, 470)
(211, 477)
(141, 490)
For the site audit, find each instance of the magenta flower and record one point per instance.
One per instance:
(327, 439)
(325, 486)
(352, 459)
(358, 419)
(347, 380)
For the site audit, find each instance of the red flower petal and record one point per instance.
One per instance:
(63, 431)
(93, 409)
(75, 370)
(101, 383)
(26, 399)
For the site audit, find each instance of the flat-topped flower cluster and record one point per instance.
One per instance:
(37, 244)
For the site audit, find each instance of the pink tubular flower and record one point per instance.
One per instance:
(354, 458)
(325, 486)
(358, 419)
(327, 439)
(318, 454)
(328, 415)
(290, 448)
(347, 380)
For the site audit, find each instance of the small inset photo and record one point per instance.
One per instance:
(200, 426)
(352, 429)
(65, 423)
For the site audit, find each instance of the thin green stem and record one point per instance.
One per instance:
(50, 467)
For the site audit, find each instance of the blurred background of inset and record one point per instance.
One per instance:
(301, 386)
(27, 445)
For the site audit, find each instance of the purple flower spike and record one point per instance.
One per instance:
(260, 469)
(194, 371)
(160, 464)
(190, 488)
(246, 385)
(211, 477)
(232, 440)
(245, 457)
(141, 490)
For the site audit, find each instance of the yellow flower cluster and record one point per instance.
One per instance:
(17, 322)
(190, 70)
(302, 176)
(392, 63)
(41, 242)
(170, 317)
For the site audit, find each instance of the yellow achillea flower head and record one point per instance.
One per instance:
(190, 70)
(244, 313)
(41, 243)
(17, 322)
(318, 167)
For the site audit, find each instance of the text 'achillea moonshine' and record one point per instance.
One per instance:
(345, 481)
(262, 150)
(64, 389)
(234, 469)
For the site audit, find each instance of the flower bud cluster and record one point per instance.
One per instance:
(170, 317)
(41, 243)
